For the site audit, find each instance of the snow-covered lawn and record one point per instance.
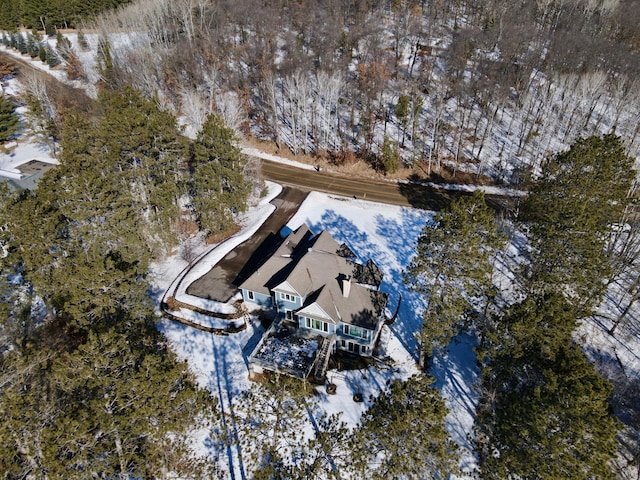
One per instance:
(386, 234)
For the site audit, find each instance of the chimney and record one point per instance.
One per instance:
(346, 286)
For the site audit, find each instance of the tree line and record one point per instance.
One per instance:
(544, 408)
(49, 15)
(89, 386)
(449, 85)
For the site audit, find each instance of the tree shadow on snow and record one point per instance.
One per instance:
(400, 236)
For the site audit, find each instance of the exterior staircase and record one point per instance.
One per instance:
(319, 371)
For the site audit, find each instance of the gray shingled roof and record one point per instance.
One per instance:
(316, 267)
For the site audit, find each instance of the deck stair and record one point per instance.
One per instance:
(322, 359)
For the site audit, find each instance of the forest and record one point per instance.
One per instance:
(49, 15)
(490, 88)
(540, 95)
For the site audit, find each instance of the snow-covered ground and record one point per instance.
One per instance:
(383, 233)
(386, 234)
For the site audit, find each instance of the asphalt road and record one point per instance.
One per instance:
(409, 194)
(391, 192)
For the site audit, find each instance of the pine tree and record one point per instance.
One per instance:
(403, 434)
(82, 41)
(145, 144)
(27, 410)
(63, 46)
(87, 237)
(389, 156)
(21, 43)
(544, 410)
(402, 112)
(328, 453)
(132, 391)
(272, 428)
(220, 189)
(9, 120)
(104, 64)
(570, 209)
(52, 57)
(115, 404)
(33, 45)
(73, 66)
(452, 268)
(42, 53)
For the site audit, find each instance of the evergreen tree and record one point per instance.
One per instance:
(52, 57)
(544, 411)
(133, 394)
(33, 45)
(327, 453)
(49, 29)
(42, 116)
(98, 228)
(453, 267)
(42, 53)
(220, 189)
(402, 112)
(104, 64)
(9, 120)
(403, 434)
(27, 410)
(145, 144)
(73, 66)
(21, 43)
(82, 41)
(114, 404)
(273, 424)
(87, 237)
(63, 46)
(570, 209)
(389, 156)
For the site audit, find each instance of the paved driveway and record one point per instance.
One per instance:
(222, 281)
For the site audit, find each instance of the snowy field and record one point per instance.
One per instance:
(386, 234)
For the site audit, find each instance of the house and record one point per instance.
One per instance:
(324, 299)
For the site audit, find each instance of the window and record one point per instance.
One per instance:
(356, 332)
(250, 295)
(289, 314)
(353, 347)
(316, 324)
(287, 297)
